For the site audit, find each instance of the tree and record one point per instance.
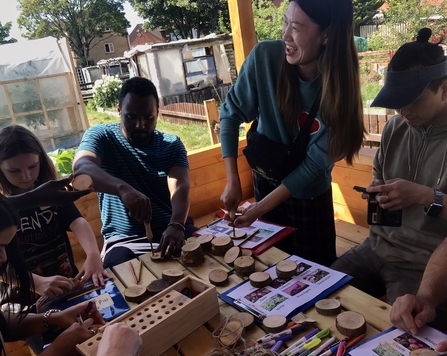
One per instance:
(80, 21)
(364, 10)
(268, 19)
(4, 33)
(403, 20)
(182, 16)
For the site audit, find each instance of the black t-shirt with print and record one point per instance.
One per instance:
(44, 242)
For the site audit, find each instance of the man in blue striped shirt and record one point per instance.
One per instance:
(140, 174)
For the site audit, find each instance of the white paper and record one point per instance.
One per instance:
(261, 232)
(400, 343)
(283, 296)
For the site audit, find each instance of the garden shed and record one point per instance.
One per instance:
(179, 67)
(38, 90)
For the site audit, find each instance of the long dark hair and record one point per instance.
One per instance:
(341, 102)
(16, 139)
(15, 270)
(419, 54)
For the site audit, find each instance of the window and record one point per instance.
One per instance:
(109, 47)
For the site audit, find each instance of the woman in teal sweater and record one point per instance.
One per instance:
(278, 84)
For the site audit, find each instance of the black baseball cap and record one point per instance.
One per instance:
(404, 87)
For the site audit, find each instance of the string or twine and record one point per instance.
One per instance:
(236, 347)
(223, 331)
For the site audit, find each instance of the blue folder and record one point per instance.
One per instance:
(224, 296)
(86, 293)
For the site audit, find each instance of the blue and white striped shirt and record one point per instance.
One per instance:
(146, 169)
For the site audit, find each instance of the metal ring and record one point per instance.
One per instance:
(93, 331)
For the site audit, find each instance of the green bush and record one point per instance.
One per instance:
(63, 161)
(106, 92)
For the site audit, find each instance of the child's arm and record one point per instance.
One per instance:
(92, 267)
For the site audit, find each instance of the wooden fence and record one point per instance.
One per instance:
(374, 124)
(184, 113)
(187, 113)
(376, 56)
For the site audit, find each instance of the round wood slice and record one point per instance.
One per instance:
(231, 255)
(238, 234)
(350, 323)
(82, 182)
(135, 294)
(156, 257)
(218, 277)
(328, 307)
(275, 323)
(220, 245)
(231, 333)
(172, 275)
(260, 279)
(244, 266)
(286, 269)
(192, 254)
(205, 241)
(247, 319)
(423, 352)
(246, 252)
(157, 286)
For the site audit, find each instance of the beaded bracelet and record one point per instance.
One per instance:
(47, 315)
(179, 224)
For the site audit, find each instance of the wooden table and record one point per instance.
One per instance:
(200, 341)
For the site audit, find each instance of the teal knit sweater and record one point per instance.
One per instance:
(253, 97)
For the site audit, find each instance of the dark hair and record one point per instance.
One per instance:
(140, 86)
(341, 102)
(419, 54)
(16, 271)
(14, 140)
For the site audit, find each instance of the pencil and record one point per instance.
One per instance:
(139, 272)
(133, 272)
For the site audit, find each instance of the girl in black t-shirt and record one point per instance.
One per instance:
(42, 231)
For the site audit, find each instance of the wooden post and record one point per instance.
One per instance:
(243, 29)
(212, 118)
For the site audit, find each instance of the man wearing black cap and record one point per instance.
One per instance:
(410, 173)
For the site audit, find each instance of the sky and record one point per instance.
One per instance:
(9, 12)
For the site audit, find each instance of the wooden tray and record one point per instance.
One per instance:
(167, 317)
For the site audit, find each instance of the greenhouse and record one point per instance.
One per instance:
(38, 90)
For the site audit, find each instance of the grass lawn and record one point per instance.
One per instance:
(193, 136)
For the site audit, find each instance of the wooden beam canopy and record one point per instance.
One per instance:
(243, 29)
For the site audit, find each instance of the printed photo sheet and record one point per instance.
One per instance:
(400, 343)
(283, 296)
(259, 232)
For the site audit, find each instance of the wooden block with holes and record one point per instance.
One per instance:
(167, 317)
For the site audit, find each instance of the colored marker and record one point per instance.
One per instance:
(292, 331)
(277, 345)
(323, 333)
(306, 347)
(317, 351)
(333, 349)
(354, 341)
(79, 318)
(267, 344)
(300, 341)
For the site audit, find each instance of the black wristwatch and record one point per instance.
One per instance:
(435, 208)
